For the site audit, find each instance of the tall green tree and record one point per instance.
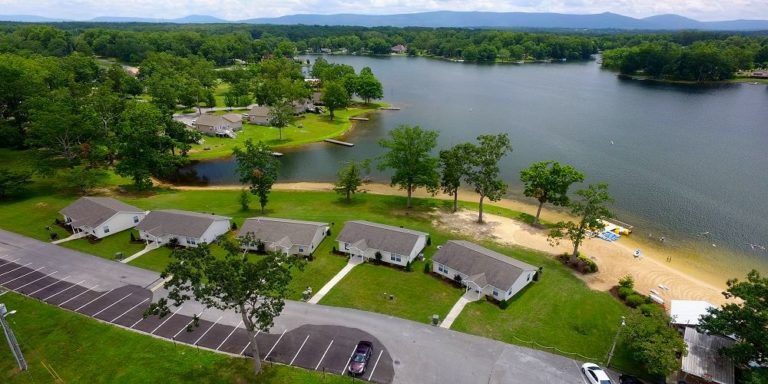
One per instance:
(409, 154)
(144, 149)
(334, 97)
(454, 164)
(746, 318)
(590, 208)
(484, 174)
(350, 178)
(281, 116)
(653, 342)
(368, 86)
(254, 287)
(548, 182)
(258, 169)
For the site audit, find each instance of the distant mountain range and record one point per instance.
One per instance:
(459, 19)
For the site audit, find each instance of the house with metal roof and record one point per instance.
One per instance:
(395, 245)
(482, 270)
(219, 125)
(291, 237)
(101, 216)
(188, 228)
(704, 360)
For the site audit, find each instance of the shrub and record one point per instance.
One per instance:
(634, 300)
(503, 304)
(378, 257)
(627, 282)
(427, 268)
(587, 265)
(233, 226)
(650, 309)
(429, 241)
(408, 267)
(624, 292)
(457, 278)
(261, 247)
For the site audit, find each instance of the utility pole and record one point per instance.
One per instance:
(615, 338)
(12, 343)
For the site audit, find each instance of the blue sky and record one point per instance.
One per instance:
(243, 9)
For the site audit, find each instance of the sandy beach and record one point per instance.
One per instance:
(615, 259)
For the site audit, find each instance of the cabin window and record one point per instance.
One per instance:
(395, 257)
(529, 277)
(442, 269)
(301, 249)
(191, 241)
(135, 219)
(106, 229)
(346, 246)
(495, 292)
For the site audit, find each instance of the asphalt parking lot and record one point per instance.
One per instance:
(317, 347)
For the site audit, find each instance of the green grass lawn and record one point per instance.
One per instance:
(558, 311)
(307, 129)
(83, 350)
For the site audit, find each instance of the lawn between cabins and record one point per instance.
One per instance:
(558, 311)
(309, 128)
(82, 350)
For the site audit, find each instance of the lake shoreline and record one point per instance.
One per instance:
(613, 256)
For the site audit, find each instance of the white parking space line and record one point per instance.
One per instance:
(111, 305)
(349, 360)
(50, 285)
(36, 280)
(188, 324)
(323, 356)
(375, 365)
(230, 334)
(12, 261)
(64, 290)
(98, 297)
(581, 374)
(78, 295)
(19, 267)
(166, 320)
(273, 347)
(124, 313)
(19, 277)
(207, 330)
(246, 347)
(299, 351)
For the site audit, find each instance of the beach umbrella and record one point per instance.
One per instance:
(637, 252)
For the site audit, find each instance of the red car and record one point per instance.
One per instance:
(359, 361)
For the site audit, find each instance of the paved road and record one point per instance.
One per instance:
(310, 336)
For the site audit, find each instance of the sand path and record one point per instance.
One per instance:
(614, 260)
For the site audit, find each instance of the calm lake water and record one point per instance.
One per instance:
(680, 159)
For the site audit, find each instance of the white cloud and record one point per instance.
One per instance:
(244, 9)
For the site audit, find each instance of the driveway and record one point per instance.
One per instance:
(303, 335)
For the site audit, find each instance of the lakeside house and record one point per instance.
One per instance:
(399, 49)
(760, 74)
(291, 237)
(189, 229)
(219, 125)
(394, 245)
(101, 216)
(704, 360)
(259, 115)
(482, 270)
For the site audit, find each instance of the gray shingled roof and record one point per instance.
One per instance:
(233, 117)
(177, 223)
(380, 236)
(703, 358)
(209, 120)
(275, 230)
(93, 211)
(258, 110)
(473, 260)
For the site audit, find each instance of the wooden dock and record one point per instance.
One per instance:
(356, 118)
(277, 154)
(339, 142)
(390, 108)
